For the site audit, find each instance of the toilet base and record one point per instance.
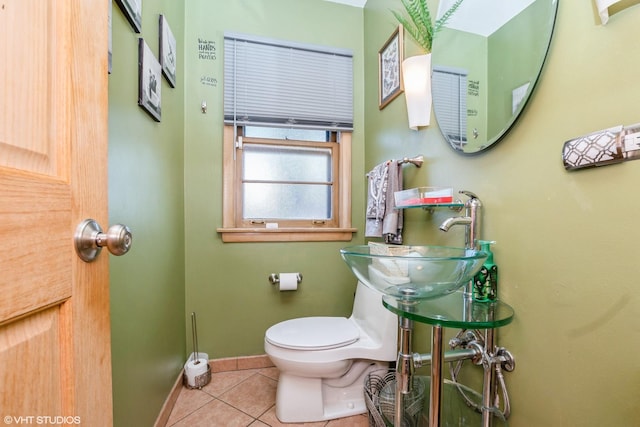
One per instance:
(302, 399)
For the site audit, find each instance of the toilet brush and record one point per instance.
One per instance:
(197, 372)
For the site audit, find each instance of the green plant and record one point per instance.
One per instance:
(419, 25)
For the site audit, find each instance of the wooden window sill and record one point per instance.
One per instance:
(286, 234)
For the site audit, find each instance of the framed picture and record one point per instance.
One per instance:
(167, 51)
(132, 10)
(149, 81)
(389, 59)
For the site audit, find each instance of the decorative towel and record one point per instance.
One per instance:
(376, 199)
(382, 219)
(392, 221)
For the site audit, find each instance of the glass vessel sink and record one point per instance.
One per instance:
(413, 273)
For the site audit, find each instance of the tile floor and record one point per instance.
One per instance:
(238, 398)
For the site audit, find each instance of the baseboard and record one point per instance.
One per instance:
(170, 402)
(240, 363)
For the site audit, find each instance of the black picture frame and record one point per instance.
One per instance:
(168, 51)
(132, 10)
(149, 81)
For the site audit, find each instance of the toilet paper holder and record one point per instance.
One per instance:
(274, 278)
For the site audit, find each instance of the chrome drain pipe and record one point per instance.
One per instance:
(404, 366)
(489, 391)
(494, 360)
(422, 359)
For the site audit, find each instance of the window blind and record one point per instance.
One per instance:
(449, 86)
(277, 83)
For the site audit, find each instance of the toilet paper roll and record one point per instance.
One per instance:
(194, 356)
(288, 281)
(194, 369)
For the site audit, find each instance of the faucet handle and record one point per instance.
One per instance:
(468, 194)
(473, 199)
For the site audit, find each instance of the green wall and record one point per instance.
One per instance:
(227, 283)
(146, 192)
(566, 241)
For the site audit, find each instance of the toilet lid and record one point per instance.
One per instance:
(313, 333)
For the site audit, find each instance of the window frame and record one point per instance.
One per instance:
(285, 222)
(236, 229)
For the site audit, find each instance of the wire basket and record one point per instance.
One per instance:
(379, 393)
(380, 398)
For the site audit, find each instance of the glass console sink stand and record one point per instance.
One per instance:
(453, 311)
(418, 299)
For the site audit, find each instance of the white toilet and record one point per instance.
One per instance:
(323, 361)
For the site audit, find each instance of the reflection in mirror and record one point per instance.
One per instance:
(486, 62)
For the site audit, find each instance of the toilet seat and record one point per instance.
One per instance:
(313, 333)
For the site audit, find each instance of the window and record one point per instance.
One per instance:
(287, 181)
(288, 114)
(451, 87)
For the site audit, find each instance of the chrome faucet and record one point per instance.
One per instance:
(485, 346)
(471, 220)
(455, 220)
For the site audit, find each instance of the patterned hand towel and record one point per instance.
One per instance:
(376, 199)
(392, 221)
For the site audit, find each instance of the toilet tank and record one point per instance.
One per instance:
(369, 313)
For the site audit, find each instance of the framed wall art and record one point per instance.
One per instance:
(132, 10)
(149, 81)
(167, 51)
(390, 58)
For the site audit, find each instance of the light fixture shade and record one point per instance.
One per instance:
(416, 73)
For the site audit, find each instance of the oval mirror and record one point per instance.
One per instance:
(486, 62)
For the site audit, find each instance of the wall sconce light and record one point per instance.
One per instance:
(416, 73)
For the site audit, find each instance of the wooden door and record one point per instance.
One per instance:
(55, 358)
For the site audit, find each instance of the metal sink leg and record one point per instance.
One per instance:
(437, 355)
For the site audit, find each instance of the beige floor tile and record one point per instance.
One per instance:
(355, 421)
(225, 381)
(270, 419)
(253, 396)
(188, 401)
(216, 414)
(240, 398)
(272, 373)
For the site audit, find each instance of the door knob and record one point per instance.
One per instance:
(89, 240)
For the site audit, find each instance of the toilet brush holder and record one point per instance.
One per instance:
(197, 372)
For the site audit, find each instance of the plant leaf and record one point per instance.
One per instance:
(444, 18)
(419, 25)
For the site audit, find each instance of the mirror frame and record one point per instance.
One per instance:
(500, 134)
